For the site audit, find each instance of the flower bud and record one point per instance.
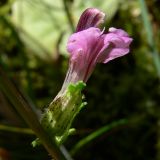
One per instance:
(91, 17)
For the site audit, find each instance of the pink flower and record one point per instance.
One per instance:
(89, 46)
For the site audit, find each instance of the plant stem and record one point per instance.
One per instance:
(150, 37)
(96, 134)
(68, 14)
(16, 129)
(30, 117)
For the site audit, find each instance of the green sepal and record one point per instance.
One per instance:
(60, 114)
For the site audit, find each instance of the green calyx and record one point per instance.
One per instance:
(61, 112)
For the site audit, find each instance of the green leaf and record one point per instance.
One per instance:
(42, 22)
(96, 134)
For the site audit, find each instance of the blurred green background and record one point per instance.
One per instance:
(33, 38)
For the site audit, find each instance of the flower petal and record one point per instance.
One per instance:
(84, 47)
(84, 41)
(91, 17)
(119, 32)
(116, 44)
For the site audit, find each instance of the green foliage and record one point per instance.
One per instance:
(33, 54)
(41, 32)
(96, 134)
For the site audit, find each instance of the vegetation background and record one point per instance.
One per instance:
(123, 96)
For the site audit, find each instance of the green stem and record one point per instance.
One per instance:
(96, 134)
(69, 15)
(16, 129)
(150, 37)
(25, 110)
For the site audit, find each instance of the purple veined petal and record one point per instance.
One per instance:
(115, 53)
(91, 17)
(85, 40)
(116, 44)
(120, 42)
(91, 46)
(83, 47)
(118, 32)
